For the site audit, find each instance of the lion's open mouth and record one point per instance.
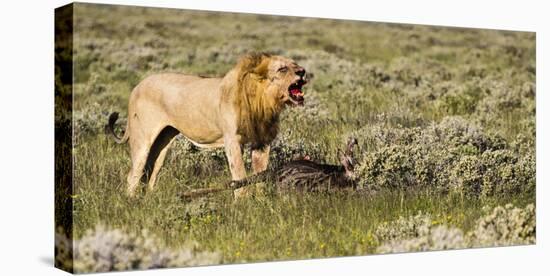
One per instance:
(295, 92)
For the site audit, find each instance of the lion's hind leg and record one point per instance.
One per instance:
(141, 141)
(139, 151)
(157, 154)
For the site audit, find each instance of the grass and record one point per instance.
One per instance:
(364, 74)
(271, 227)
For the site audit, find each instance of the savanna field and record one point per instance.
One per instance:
(444, 117)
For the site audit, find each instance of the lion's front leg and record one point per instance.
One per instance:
(235, 158)
(260, 159)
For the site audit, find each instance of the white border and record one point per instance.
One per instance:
(26, 106)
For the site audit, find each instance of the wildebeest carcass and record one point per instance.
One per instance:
(299, 175)
(307, 175)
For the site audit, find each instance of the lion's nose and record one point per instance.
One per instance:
(301, 72)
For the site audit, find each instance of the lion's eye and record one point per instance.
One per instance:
(283, 69)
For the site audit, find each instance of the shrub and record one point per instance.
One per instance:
(287, 147)
(389, 167)
(417, 233)
(500, 226)
(194, 160)
(506, 173)
(436, 238)
(466, 175)
(90, 120)
(404, 228)
(103, 249)
(509, 106)
(63, 250)
(453, 155)
(506, 225)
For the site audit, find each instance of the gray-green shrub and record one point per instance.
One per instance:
(499, 226)
(453, 155)
(103, 249)
(505, 225)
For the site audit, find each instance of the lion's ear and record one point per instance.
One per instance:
(255, 63)
(262, 68)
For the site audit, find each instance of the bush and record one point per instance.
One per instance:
(91, 120)
(437, 238)
(466, 175)
(103, 249)
(506, 225)
(508, 173)
(500, 226)
(404, 228)
(286, 147)
(389, 167)
(417, 233)
(194, 160)
(453, 155)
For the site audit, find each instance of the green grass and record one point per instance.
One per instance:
(270, 227)
(364, 74)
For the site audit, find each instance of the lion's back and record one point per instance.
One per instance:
(166, 80)
(174, 87)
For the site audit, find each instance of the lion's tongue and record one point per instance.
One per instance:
(296, 92)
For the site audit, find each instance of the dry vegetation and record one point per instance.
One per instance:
(445, 119)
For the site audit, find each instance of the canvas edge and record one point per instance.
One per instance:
(63, 141)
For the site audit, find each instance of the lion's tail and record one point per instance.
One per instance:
(110, 129)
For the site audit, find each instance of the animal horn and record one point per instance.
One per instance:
(351, 143)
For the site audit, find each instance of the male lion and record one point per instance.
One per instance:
(241, 108)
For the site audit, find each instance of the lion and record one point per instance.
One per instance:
(240, 109)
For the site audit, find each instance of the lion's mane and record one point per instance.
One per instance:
(258, 114)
